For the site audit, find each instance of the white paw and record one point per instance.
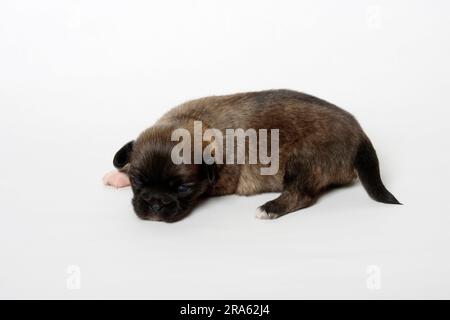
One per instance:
(116, 179)
(261, 214)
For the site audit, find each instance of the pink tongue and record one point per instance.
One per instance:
(116, 179)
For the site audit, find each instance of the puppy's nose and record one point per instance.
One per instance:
(156, 207)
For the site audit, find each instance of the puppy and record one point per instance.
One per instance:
(319, 146)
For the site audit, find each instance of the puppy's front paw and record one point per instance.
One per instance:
(263, 214)
(116, 179)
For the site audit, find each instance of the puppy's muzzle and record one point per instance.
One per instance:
(156, 201)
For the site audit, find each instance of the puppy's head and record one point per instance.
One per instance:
(163, 191)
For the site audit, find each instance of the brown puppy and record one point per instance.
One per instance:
(320, 145)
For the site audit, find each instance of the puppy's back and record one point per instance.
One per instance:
(299, 116)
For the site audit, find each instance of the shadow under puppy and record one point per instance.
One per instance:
(320, 145)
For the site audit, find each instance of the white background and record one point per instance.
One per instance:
(78, 79)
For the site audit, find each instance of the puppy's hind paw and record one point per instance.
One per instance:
(116, 179)
(262, 214)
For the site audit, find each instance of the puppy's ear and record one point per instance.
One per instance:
(211, 172)
(122, 157)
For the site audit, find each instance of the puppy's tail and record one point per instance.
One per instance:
(366, 164)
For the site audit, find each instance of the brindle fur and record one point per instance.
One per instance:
(318, 146)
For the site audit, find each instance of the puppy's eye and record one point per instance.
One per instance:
(183, 188)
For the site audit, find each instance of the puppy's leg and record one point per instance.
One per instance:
(300, 190)
(288, 201)
(116, 179)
